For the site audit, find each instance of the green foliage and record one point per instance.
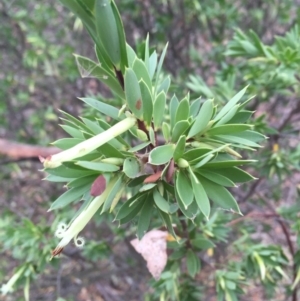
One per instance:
(154, 156)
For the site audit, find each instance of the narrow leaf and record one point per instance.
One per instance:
(202, 118)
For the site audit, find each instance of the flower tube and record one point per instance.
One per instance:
(89, 145)
(68, 233)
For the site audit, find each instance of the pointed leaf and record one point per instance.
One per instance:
(145, 218)
(159, 109)
(202, 118)
(179, 129)
(147, 102)
(133, 93)
(192, 262)
(184, 188)
(183, 110)
(102, 107)
(231, 103)
(102, 167)
(173, 108)
(72, 195)
(180, 147)
(217, 178)
(141, 72)
(160, 202)
(200, 195)
(89, 68)
(218, 194)
(152, 64)
(202, 243)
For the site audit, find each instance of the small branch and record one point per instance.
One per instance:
(288, 240)
(251, 215)
(21, 151)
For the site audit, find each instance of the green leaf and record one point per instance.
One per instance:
(192, 262)
(166, 218)
(241, 117)
(165, 85)
(231, 103)
(67, 172)
(66, 143)
(228, 129)
(114, 186)
(183, 110)
(200, 195)
(147, 102)
(202, 118)
(160, 202)
(93, 126)
(237, 140)
(109, 151)
(75, 133)
(121, 35)
(235, 174)
(102, 167)
(139, 147)
(161, 60)
(217, 178)
(152, 136)
(131, 167)
(161, 154)
(84, 14)
(52, 178)
(147, 52)
(203, 161)
(220, 195)
(133, 93)
(107, 31)
(179, 129)
(179, 149)
(141, 72)
(173, 108)
(145, 218)
(152, 64)
(90, 69)
(202, 243)
(159, 109)
(196, 153)
(82, 181)
(251, 135)
(147, 187)
(130, 209)
(102, 107)
(166, 131)
(228, 116)
(131, 55)
(72, 195)
(184, 188)
(195, 107)
(74, 121)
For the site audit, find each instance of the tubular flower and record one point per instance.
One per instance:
(89, 145)
(68, 233)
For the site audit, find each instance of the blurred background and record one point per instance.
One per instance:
(208, 55)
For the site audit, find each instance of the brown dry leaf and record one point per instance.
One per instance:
(153, 248)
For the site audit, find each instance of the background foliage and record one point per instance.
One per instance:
(212, 52)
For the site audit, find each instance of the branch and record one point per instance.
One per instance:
(19, 151)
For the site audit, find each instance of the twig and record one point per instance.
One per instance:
(288, 240)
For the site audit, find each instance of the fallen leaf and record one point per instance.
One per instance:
(153, 248)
